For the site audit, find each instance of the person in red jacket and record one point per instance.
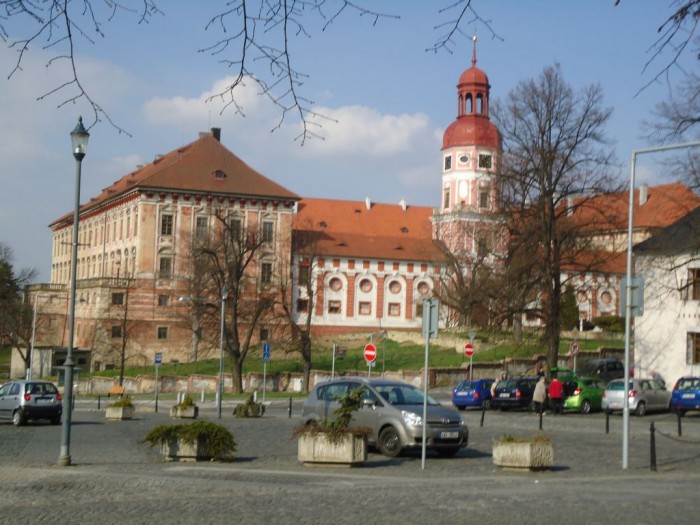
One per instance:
(556, 393)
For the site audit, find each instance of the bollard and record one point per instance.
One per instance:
(98, 401)
(680, 430)
(255, 396)
(652, 446)
(483, 413)
(607, 421)
(201, 396)
(540, 420)
(290, 406)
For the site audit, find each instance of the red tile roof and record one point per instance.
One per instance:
(384, 231)
(204, 166)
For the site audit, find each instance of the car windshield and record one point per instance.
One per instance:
(691, 383)
(464, 385)
(402, 395)
(617, 385)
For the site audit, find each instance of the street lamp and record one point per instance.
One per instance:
(224, 296)
(79, 141)
(628, 292)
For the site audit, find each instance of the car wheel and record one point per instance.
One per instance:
(586, 407)
(460, 407)
(447, 452)
(641, 409)
(389, 442)
(18, 418)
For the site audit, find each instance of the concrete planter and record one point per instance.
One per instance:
(317, 447)
(119, 413)
(249, 410)
(190, 412)
(181, 450)
(533, 455)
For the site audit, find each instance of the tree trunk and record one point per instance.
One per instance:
(518, 327)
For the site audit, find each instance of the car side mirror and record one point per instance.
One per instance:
(368, 403)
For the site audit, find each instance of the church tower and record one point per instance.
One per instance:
(471, 149)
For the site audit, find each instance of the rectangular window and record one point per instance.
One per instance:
(302, 305)
(482, 248)
(448, 163)
(266, 273)
(693, 352)
(163, 300)
(365, 308)
(484, 198)
(118, 298)
(162, 332)
(268, 231)
(201, 226)
(694, 283)
(136, 224)
(394, 309)
(485, 161)
(419, 310)
(264, 334)
(303, 274)
(446, 198)
(166, 224)
(165, 267)
(116, 332)
(128, 226)
(236, 228)
(334, 307)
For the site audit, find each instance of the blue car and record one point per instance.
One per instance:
(686, 395)
(472, 393)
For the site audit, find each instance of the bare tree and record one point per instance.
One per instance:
(254, 38)
(554, 148)
(121, 332)
(243, 280)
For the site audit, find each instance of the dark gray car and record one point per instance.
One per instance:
(25, 400)
(394, 412)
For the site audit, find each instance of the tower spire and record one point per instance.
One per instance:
(474, 51)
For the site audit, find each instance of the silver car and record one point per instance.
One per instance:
(23, 400)
(644, 395)
(394, 412)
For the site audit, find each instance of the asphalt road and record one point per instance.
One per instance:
(115, 479)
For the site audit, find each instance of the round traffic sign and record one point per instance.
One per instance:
(469, 349)
(370, 352)
(574, 349)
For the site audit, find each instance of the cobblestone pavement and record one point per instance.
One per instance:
(116, 479)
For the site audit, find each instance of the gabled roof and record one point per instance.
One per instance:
(665, 204)
(204, 166)
(681, 237)
(351, 229)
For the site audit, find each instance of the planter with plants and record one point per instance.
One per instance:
(198, 441)
(249, 409)
(334, 441)
(536, 453)
(122, 408)
(185, 409)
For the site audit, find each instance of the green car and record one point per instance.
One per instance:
(584, 394)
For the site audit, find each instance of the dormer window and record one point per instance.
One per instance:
(218, 174)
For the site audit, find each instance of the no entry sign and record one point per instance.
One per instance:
(469, 349)
(370, 352)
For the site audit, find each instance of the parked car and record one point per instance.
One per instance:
(686, 395)
(394, 412)
(644, 395)
(472, 393)
(23, 400)
(584, 394)
(604, 369)
(514, 393)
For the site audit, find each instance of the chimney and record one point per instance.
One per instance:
(368, 203)
(569, 205)
(643, 194)
(216, 133)
(402, 203)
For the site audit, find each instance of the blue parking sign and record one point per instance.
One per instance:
(159, 358)
(266, 352)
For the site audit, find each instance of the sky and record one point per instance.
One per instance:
(388, 100)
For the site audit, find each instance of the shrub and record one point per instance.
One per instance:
(186, 402)
(220, 441)
(249, 409)
(510, 438)
(339, 426)
(124, 402)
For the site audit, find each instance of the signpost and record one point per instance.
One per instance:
(266, 359)
(469, 352)
(431, 308)
(370, 356)
(156, 362)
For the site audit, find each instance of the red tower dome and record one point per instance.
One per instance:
(472, 127)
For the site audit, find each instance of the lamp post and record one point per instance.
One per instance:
(30, 370)
(224, 296)
(79, 141)
(628, 292)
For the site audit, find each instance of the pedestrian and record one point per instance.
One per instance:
(500, 378)
(556, 392)
(539, 396)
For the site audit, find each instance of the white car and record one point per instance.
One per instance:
(644, 395)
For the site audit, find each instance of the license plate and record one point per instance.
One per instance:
(504, 394)
(43, 400)
(449, 435)
(688, 396)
